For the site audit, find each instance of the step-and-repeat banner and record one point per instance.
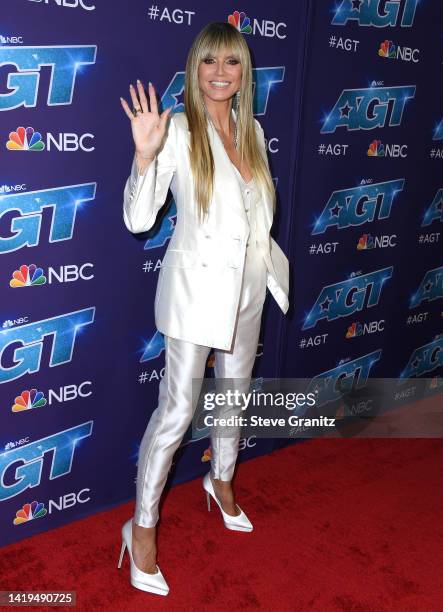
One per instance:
(81, 358)
(348, 95)
(365, 241)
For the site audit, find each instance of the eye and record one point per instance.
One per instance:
(208, 60)
(233, 61)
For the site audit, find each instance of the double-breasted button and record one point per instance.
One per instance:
(207, 235)
(204, 264)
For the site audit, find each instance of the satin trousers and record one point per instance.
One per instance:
(185, 361)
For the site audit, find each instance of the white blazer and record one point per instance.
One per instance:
(198, 288)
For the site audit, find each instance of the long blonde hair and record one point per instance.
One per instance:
(213, 37)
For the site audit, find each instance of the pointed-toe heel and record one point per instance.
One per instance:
(236, 523)
(152, 583)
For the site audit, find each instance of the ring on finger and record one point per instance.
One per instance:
(136, 110)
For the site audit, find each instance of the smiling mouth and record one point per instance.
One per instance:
(220, 84)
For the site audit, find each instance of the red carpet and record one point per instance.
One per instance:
(343, 524)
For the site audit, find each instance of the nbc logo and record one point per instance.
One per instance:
(11, 40)
(27, 276)
(25, 139)
(377, 149)
(357, 329)
(206, 454)
(28, 400)
(365, 242)
(354, 330)
(240, 21)
(18, 321)
(387, 49)
(69, 4)
(30, 512)
(391, 51)
(263, 27)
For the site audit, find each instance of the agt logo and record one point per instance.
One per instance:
(430, 289)
(346, 297)
(424, 359)
(65, 62)
(24, 464)
(377, 149)
(25, 342)
(264, 82)
(68, 3)
(434, 212)
(438, 131)
(153, 348)
(349, 375)
(391, 51)
(31, 276)
(25, 226)
(265, 27)
(27, 139)
(377, 13)
(369, 108)
(357, 205)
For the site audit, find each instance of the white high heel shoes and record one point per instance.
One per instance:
(153, 583)
(236, 523)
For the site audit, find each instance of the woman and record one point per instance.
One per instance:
(214, 274)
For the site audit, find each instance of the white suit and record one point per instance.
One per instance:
(198, 288)
(210, 293)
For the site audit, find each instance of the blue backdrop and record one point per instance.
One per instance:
(346, 93)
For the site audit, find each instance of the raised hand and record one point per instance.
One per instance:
(148, 127)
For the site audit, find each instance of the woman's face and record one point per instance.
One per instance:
(219, 76)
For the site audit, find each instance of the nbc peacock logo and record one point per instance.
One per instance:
(29, 512)
(207, 454)
(354, 330)
(25, 139)
(387, 49)
(240, 21)
(376, 149)
(27, 276)
(29, 399)
(366, 241)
